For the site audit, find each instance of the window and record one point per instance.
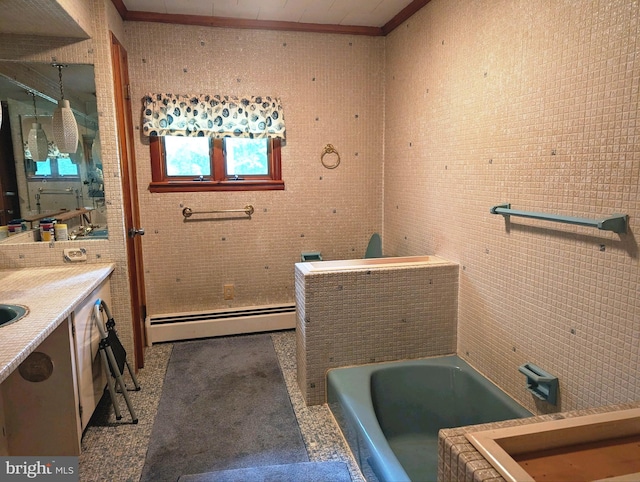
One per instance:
(56, 168)
(216, 142)
(207, 164)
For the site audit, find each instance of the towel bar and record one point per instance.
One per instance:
(248, 210)
(616, 222)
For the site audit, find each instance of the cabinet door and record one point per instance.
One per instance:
(90, 373)
(41, 417)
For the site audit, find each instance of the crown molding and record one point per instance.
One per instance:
(224, 22)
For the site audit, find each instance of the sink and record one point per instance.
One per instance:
(11, 313)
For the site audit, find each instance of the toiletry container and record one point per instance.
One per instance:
(16, 226)
(46, 230)
(61, 232)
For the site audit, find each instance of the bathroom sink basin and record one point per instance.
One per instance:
(11, 313)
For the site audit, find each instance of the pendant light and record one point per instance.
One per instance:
(65, 127)
(37, 139)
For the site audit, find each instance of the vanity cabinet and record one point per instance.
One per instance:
(41, 417)
(46, 402)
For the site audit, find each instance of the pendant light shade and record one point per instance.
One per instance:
(65, 128)
(64, 125)
(37, 139)
(37, 142)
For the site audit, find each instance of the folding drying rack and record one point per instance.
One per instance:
(114, 358)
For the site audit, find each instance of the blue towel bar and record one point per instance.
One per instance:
(616, 222)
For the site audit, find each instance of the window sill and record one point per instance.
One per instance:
(202, 186)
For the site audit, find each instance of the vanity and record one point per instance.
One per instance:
(51, 378)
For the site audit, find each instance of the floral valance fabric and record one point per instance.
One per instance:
(212, 116)
(52, 152)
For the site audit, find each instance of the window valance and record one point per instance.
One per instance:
(214, 116)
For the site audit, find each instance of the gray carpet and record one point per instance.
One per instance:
(224, 405)
(300, 472)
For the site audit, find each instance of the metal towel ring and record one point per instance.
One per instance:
(329, 149)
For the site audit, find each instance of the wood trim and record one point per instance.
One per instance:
(225, 22)
(131, 209)
(121, 8)
(157, 164)
(218, 181)
(218, 160)
(241, 23)
(275, 158)
(198, 186)
(501, 446)
(404, 14)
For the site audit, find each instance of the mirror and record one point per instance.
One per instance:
(67, 188)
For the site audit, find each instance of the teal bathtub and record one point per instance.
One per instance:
(390, 413)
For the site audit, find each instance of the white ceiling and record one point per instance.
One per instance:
(369, 13)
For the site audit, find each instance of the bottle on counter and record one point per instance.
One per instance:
(47, 232)
(17, 226)
(61, 232)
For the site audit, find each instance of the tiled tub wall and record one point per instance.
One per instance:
(536, 104)
(366, 316)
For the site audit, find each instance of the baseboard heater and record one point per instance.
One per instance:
(185, 326)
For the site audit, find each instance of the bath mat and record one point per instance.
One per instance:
(301, 472)
(224, 405)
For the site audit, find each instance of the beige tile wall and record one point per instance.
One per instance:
(536, 104)
(371, 315)
(95, 51)
(484, 102)
(331, 88)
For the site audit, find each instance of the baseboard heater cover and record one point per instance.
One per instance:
(185, 326)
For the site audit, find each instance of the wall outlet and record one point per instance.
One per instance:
(75, 254)
(228, 292)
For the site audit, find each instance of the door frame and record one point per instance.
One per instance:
(131, 209)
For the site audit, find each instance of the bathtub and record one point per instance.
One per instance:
(390, 413)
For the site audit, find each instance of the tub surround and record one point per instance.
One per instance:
(600, 446)
(372, 311)
(51, 294)
(351, 264)
(458, 459)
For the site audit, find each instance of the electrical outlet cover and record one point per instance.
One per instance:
(228, 292)
(75, 254)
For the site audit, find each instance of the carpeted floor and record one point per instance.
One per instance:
(299, 472)
(116, 450)
(224, 405)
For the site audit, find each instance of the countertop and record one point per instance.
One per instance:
(51, 294)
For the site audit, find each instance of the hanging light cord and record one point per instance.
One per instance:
(35, 111)
(60, 79)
